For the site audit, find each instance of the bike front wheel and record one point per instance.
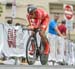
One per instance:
(31, 51)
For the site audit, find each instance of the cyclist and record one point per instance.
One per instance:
(38, 18)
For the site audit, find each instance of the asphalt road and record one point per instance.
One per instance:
(37, 65)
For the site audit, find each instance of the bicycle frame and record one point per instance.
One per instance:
(35, 37)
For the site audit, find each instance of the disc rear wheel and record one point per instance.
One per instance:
(43, 57)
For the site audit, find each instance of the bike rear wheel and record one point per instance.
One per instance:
(43, 57)
(31, 57)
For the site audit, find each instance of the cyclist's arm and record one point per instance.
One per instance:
(29, 19)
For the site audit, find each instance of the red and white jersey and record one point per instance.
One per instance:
(40, 16)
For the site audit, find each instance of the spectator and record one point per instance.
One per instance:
(18, 26)
(9, 22)
(53, 29)
(62, 27)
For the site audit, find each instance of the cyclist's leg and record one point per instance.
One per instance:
(32, 50)
(44, 39)
(42, 34)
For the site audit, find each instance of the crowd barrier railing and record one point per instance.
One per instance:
(60, 49)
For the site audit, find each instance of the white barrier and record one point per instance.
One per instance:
(60, 49)
(1, 37)
(21, 38)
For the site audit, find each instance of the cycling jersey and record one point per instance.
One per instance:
(41, 19)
